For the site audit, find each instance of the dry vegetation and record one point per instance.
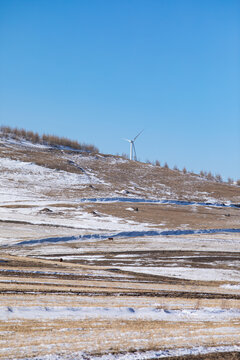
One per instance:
(45, 139)
(173, 217)
(97, 286)
(147, 180)
(54, 141)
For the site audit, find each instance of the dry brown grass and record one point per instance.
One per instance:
(100, 335)
(141, 180)
(46, 139)
(80, 276)
(21, 337)
(174, 217)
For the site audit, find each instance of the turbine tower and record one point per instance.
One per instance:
(132, 146)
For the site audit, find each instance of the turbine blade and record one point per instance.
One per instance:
(126, 140)
(138, 135)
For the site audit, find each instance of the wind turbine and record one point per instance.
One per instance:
(132, 146)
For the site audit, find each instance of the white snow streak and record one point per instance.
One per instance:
(153, 314)
(189, 273)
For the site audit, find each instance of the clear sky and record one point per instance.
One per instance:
(101, 70)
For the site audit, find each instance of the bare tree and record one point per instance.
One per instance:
(218, 178)
(210, 176)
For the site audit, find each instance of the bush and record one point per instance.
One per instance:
(184, 170)
(157, 163)
(166, 165)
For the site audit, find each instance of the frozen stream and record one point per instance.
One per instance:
(156, 201)
(127, 234)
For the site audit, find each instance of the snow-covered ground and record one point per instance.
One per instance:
(21, 142)
(86, 222)
(42, 215)
(231, 286)
(189, 273)
(121, 313)
(27, 181)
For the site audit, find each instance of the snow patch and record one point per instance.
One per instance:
(231, 286)
(126, 313)
(188, 273)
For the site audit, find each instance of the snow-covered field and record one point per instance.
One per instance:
(37, 324)
(92, 268)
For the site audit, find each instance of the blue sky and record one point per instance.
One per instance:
(99, 71)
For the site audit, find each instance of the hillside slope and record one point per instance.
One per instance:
(116, 257)
(50, 192)
(49, 172)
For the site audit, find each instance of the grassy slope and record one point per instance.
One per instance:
(140, 179)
